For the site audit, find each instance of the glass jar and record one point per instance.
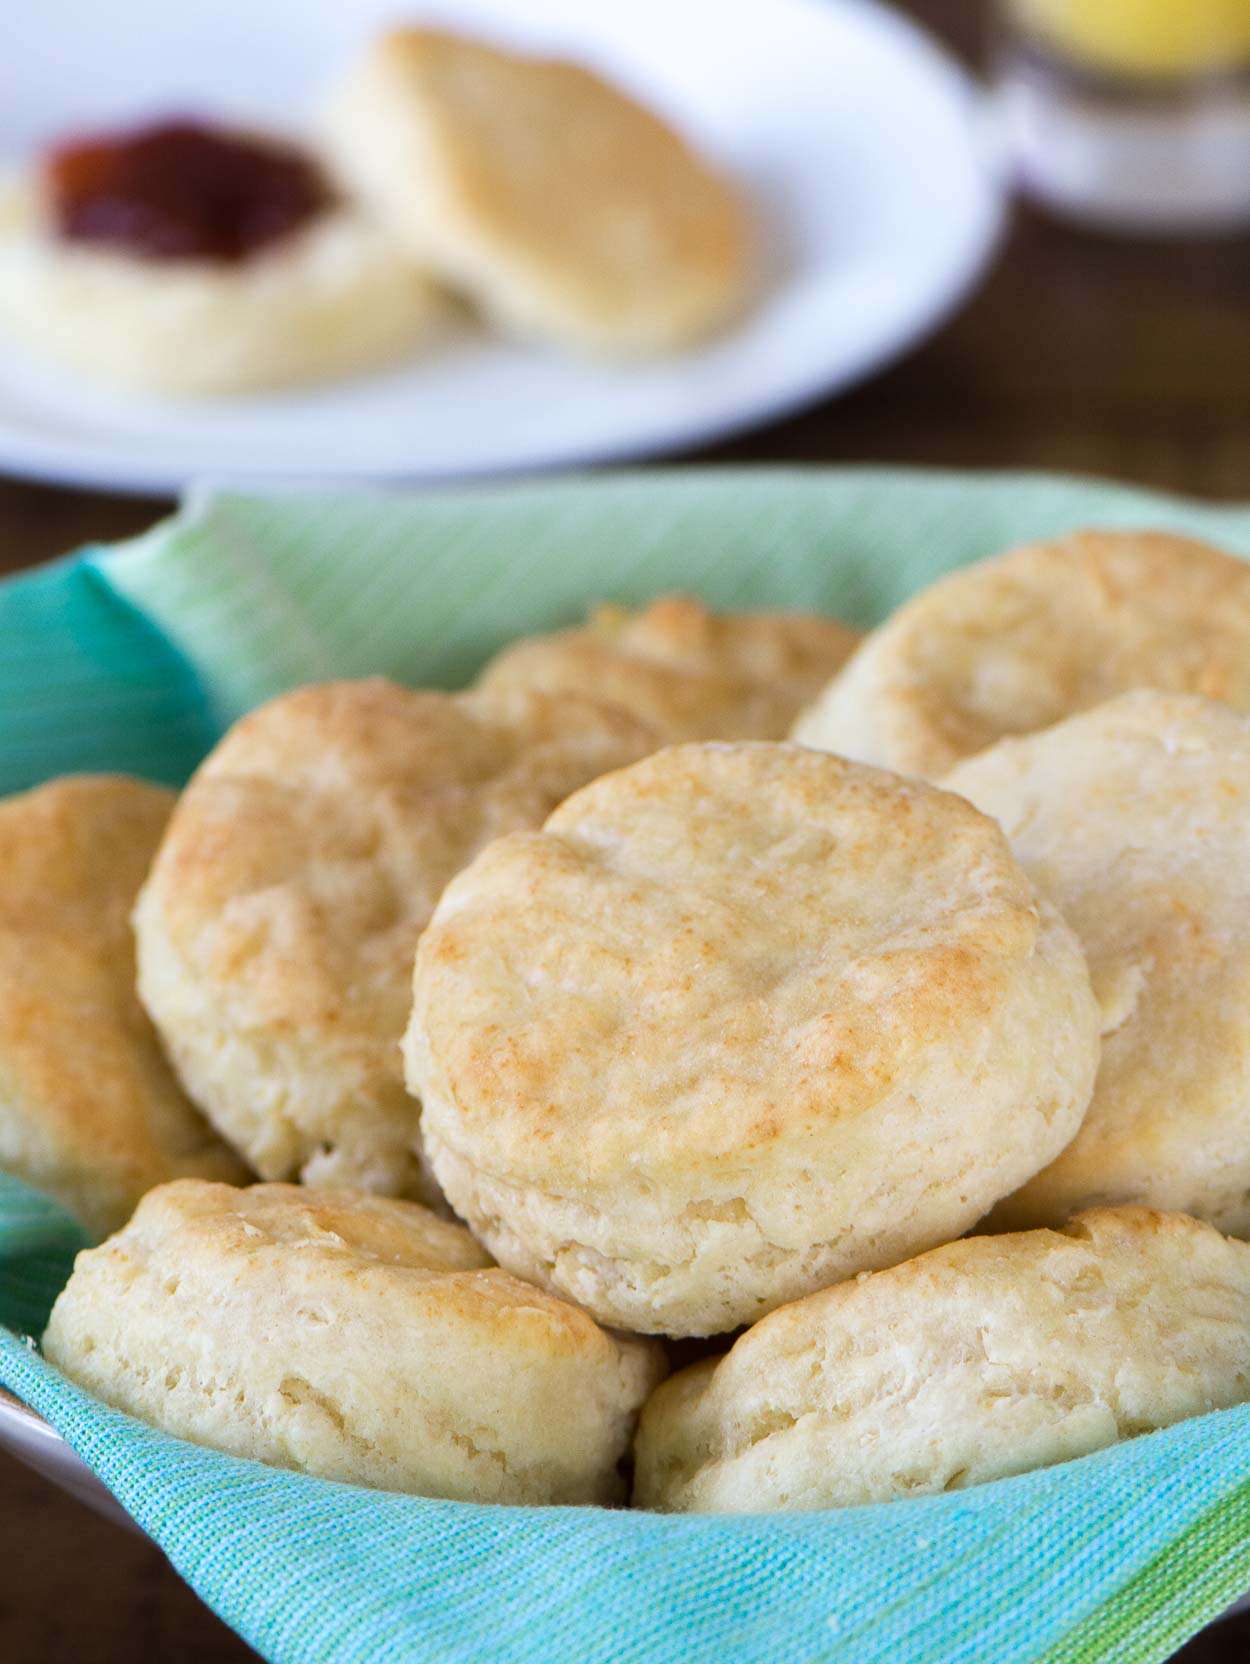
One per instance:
(1132, 114)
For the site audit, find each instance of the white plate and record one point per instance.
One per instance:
(28, 1437)
(864, 149)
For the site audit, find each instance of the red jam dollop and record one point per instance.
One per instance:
(181, 190)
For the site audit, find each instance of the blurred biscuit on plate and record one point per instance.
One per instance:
(351, 1336)
(1014, 644)
(565, 210)
(187, 260)
(90, 1111)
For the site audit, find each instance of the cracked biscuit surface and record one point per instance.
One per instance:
(90, 1111)
(692, 673)
(741, 1020)
(351, 1336)
(988, 1357)
(1015, 644)
(277, 930)
(1134, 819)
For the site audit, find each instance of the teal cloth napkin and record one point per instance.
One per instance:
(134, 658)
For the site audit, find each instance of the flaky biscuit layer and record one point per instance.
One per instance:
(984, 1358)
(351, 1336)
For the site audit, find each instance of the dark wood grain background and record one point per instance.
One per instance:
(1080, 353)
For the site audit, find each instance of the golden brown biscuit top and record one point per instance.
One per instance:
(1134, 818)
(717, 948)
(73, 853)
(92, 1111)
(344, 1245)
(548, 196)
(1015, 644)
(550, 155)
(314, 841)
(1101, 1255)
(691, 672)
(1018, 1288)
(339, 1224)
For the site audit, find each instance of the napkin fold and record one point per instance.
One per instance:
(134, 658)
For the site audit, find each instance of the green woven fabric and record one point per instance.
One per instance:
(86, 682)
(264, 593)
(134, 658)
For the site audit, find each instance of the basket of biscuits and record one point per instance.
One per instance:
(652, 1067)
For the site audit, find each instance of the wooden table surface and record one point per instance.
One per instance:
(1079, 353)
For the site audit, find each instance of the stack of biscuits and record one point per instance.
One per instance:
(868, 1022)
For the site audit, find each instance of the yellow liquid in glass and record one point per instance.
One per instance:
(1170, 38)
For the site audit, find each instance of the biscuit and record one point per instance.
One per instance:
(277, 931)
(350, 1336)
(1134, 819)
(90, 1111)
(335, 297)
(741, 1020)
(1015, 644)
(691, 673)
(563, 208)
(988, 1357)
